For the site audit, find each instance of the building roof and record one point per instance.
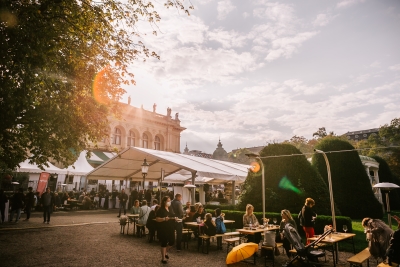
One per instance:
(178, 167)
(374, 130)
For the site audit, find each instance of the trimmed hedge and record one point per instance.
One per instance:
(320, 222)
(352, 189)
(295, 170)
(222, 207)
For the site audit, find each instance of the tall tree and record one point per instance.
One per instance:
(352, 190)
(52, 52)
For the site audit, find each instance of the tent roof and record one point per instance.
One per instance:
(80, 166)
(177, 167)
(33, 168)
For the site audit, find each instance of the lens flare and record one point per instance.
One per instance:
(101, 83)
(255, 167)
(287, 185)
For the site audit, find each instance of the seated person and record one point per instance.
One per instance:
(189, 216)
(81, 197)
(380, 232)
(136, 207)
(286, 218)
(199, 214)
(393, 252)
(249, 219)
(96, 201)
(144, 212)
(87, 203)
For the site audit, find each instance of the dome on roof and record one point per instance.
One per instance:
(220, 153)
(367, 158)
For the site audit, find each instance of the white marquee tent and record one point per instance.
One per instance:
(178, 168)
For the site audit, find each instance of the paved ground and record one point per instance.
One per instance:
(92, 238)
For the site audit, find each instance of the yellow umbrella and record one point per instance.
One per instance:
(241, 252)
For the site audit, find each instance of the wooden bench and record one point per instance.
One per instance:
(231, 242)
(203, 240)
(360, 258)
(186, 234)
(232, 233)
(269, 254)
(66, 206)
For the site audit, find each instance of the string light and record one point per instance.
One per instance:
(327, 152)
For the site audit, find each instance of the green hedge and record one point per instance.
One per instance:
(210, 207)
(320, 222)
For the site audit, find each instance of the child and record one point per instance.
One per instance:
(220, 226)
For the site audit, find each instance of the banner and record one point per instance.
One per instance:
(43, 178)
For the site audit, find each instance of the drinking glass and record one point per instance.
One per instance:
(345, 228)
(250, 224)
(274, 220)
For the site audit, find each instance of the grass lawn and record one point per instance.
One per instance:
(360, 238)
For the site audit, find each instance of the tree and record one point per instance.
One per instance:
(352, 190)
(239, 156)
(321, 133)
(52, 51)
(385, 145)
(385, 175)
(295, 170)
(302, 144)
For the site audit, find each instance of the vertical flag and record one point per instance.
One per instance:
(43, 178)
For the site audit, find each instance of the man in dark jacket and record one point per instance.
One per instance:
(47, 202)
(17, 203)
(176, 205)
(3, 201)
(123, 198)
(29, 202)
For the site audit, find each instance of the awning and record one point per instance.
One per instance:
(33, 168)
(177, 167)
(80, 166)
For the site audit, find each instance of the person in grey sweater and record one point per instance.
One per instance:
(47, 202)
(178, 210)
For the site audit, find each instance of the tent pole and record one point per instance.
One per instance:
(194, 189)
(233, 192)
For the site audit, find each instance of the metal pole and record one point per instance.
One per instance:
(144, 177)
(193, 189)
(263, 187)
(233, 192)
(388, 210)
(328, 168)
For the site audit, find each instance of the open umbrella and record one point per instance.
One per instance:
(241, 252)
(387, 187)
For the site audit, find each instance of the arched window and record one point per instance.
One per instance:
(131, 138)
(117, 136)
(157, 143)
(145, 141)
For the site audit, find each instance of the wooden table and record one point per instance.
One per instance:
(133, 218)
(333, 241)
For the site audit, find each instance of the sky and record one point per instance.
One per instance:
(254, 72)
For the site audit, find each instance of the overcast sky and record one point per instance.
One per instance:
(252, 72)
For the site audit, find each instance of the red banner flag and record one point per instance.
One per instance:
(43, 178)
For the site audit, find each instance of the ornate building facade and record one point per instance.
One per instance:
(142, 128)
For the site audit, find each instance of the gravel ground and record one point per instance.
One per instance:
(92, 238)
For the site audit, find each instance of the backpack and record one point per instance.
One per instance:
(301, 218)
(220, 226)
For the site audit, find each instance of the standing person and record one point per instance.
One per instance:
(393, 251)
(106, 199)
(134, 196)
(3, 201)
(114, 198)
(148, 196)
(29, 202)
(123, 198)
(140, 195)
(47, 203)
(165, 229)
(178, 210)
(17, 203)
(286, 218)
(151, 224)
(309, 216)
(250, 220)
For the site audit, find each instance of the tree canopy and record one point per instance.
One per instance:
(295, 171)
(62, 67)
(352, 190)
